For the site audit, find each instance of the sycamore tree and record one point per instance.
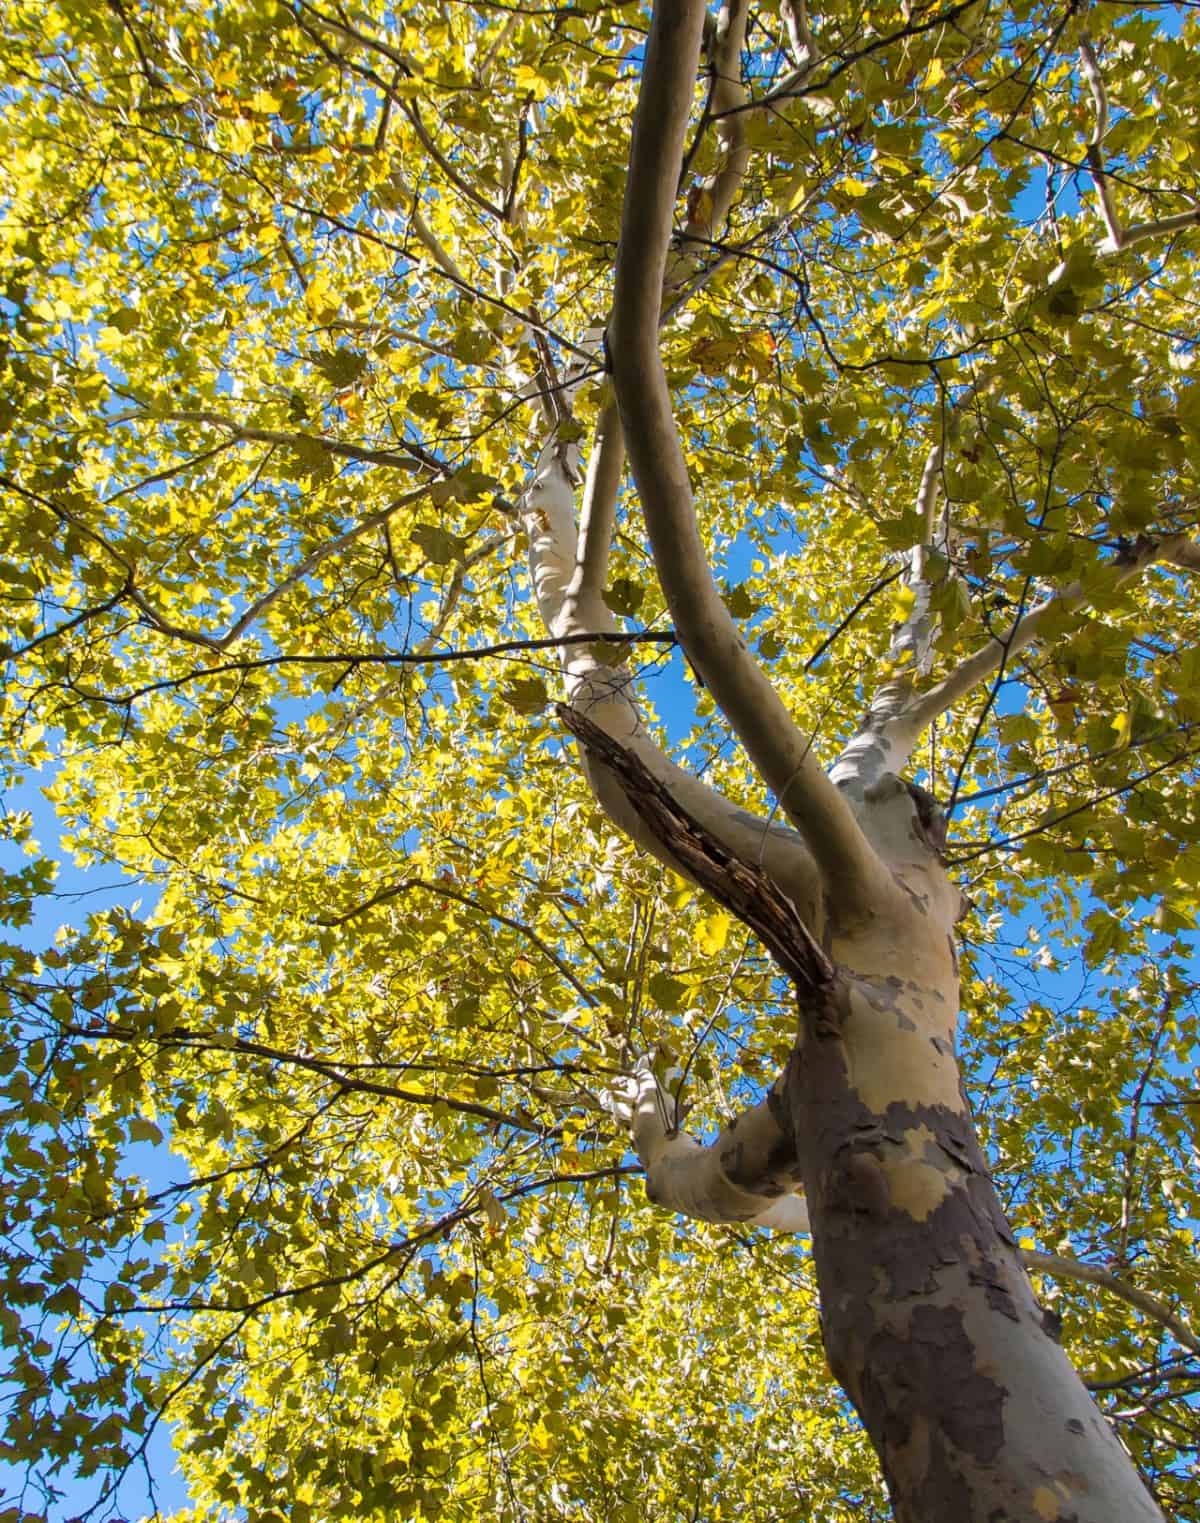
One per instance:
(623, 584)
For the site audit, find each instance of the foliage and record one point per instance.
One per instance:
(312, 1160)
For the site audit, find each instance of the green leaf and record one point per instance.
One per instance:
(341, 367)
(625, 596)
(439, 546)
(527, 695)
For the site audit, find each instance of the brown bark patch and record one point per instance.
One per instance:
(930, 1381)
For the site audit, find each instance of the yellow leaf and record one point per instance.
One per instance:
(322, 302)
(902, 603)
(240, 135)
(793, 193)
(712, 934)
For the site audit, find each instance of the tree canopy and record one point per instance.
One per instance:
(321, 1157)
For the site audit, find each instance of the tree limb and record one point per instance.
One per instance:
(598, 516)
(747, 1175)
(219, 1042)
(904, 728)
(742, 886)
(779, 750)
(1072, 1269)
(800, 37)
(1025, 630)
(448, 891)
(403, 457)
(600, 686)
(1119, 238)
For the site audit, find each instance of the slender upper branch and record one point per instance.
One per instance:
(898, 718)
(1025, 630)
(598, 513)
(800, 37)
(601, 687)
(781, 753)
(1072, 1269)
(1119, 238)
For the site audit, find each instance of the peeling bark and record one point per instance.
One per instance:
(928, 1317)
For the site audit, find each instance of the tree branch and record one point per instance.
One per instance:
(892, 737)
(710, 201)
(601, 688)
(448, 891)
(402, 457)
(219, 1042)
(1072, 1269)
(800, 37)
(1118, 238)
(1024, 631)
(747, 1175)
(742, 886)
(598, 516)
(779, 750)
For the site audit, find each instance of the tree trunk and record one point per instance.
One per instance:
(928, 1317)
(929, 1320)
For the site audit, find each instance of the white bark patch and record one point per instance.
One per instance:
(684, 1175)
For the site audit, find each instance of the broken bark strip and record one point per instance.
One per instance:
(742, 887)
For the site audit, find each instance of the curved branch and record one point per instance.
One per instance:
(1119, 238)
(1024, 631)
(747, 1175)
(600, 686)
(781, 753)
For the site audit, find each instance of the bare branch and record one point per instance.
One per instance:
(1024, 631)
(1118, 238)
(598, 514)
(800, 37)
(403, 457)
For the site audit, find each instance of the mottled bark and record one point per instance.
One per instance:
(928, 1316)
(929, 1320)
